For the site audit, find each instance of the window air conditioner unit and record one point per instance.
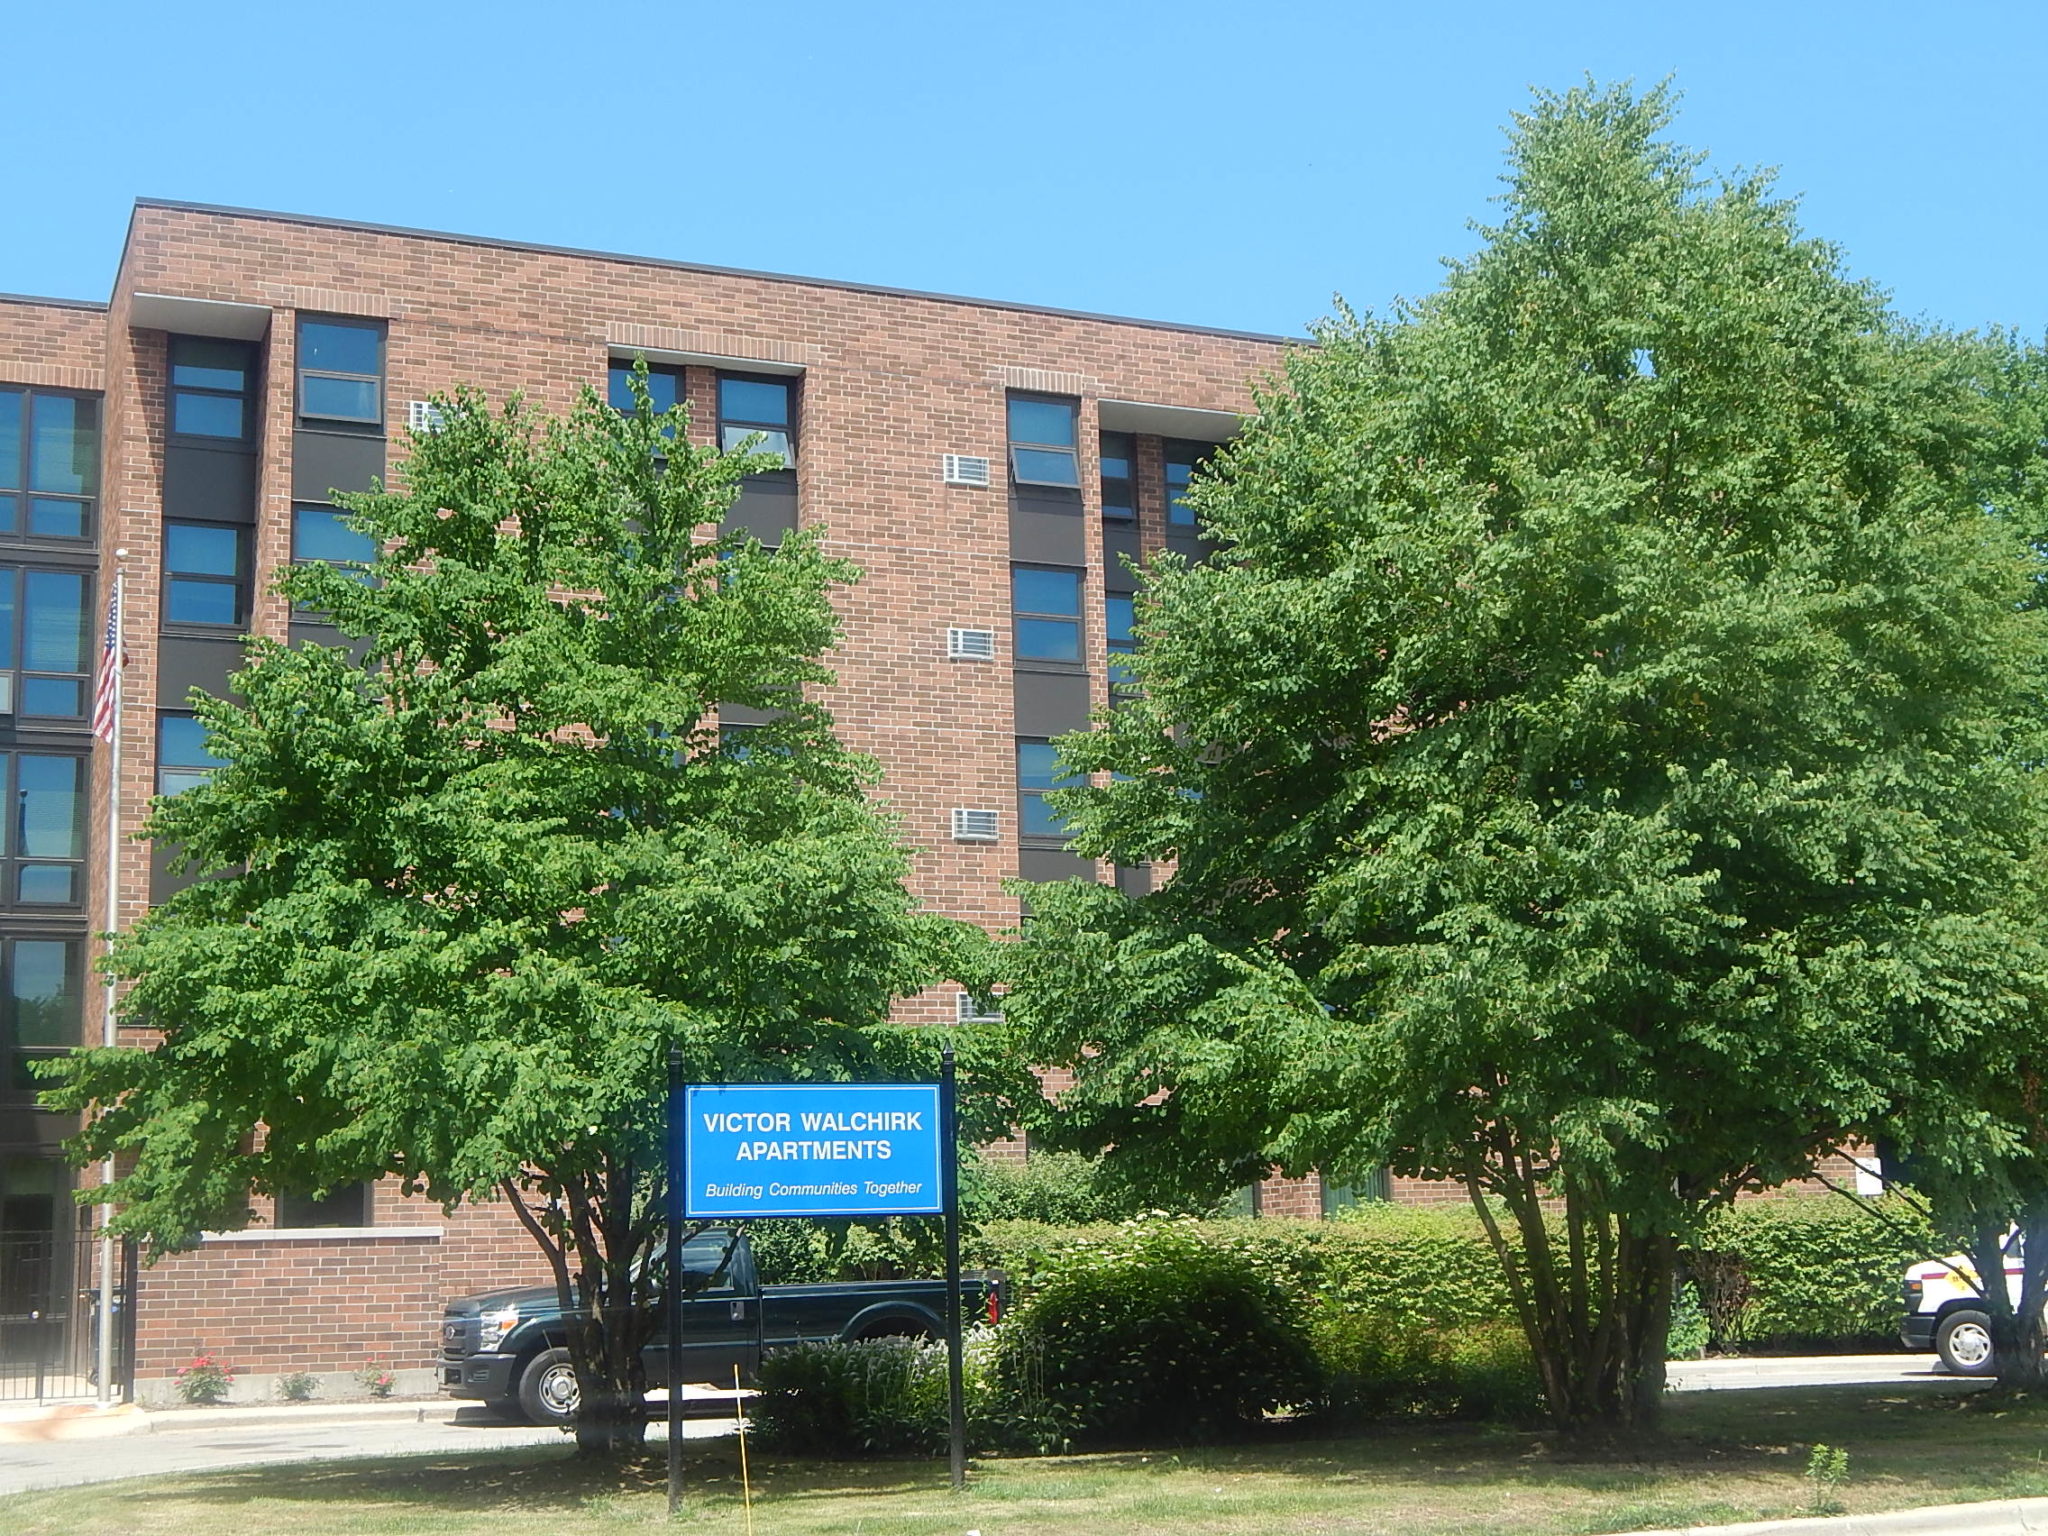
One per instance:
(970, 645)
(965, 469)
(423, 416)
(975, 826)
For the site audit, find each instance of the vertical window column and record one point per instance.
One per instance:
(1045, 614)
(341, 371)
(42, 1001)
(760, 410)
(205, 574)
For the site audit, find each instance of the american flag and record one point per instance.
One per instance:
(112, 659)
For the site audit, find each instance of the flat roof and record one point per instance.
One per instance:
(30, 298)
(693, 266)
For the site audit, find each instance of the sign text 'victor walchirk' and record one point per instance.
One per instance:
(812, 1149)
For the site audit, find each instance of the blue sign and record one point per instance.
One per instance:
(812, 1149)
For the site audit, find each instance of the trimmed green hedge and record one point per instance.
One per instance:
(1798, 1270)
(1808, 1270)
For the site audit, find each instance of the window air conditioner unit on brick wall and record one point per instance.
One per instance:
(423, 416)
(964, 469)
(968, 1011)
(975, 826)
(970, 645)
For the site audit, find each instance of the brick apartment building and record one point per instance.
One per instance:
(987, 465)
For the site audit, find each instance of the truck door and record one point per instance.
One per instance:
(721, 1314)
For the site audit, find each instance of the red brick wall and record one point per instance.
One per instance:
(329, 1303)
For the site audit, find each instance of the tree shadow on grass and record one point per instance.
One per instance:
(1925, 1441)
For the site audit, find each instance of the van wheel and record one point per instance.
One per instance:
(1964, 1343)
(548, 1393)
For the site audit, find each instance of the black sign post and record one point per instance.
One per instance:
(674, 1292)
(949, 1179)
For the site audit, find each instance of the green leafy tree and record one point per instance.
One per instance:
(466, 891)
(1596, 752)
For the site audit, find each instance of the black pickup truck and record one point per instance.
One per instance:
(507, 1347)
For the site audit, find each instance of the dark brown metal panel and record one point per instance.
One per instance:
(1051, 703)
(1042, 864)
(308, 631)
(766, 507)
(209, 483)
(1134, 880)
(325, 462)
(163, 885)
(1118, 543)
(186, 663)
(1047, 532)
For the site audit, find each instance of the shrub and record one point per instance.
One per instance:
(1157, 1335)
(887, 1397)
(377, 1380)
(297, 1386)
(205, 1381)
(1688, 1336)
(1380, 1366)
(878, 1397)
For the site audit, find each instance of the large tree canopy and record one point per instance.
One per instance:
(1595, 761)
(466, 891)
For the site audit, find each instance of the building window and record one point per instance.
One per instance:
(204, 567)
(1038, 770)
(43, 1003)
(212, 394)
(748, 405)
(1376, 1186)
(664, 389)
(345, 1206)
(45, 836)
(1042, 442)
(182, 761)
(43, 643)
(341, 370)
(1182, 460)
(49, 464)
(1046, 604)
(1119, 619)
(1119, 480)
(323, 534)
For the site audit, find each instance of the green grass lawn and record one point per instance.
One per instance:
(1722, 1456)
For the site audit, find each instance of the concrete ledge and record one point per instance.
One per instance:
(258, 1389)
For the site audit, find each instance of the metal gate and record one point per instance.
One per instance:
(50, 1318)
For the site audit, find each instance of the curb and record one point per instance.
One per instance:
(171, 1421)
(1997, 1517)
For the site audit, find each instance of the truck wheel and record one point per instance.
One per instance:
(547, 1388)
(1964, 1343)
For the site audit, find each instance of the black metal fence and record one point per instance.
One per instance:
(50, 1318)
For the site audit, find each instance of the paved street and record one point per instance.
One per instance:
(1803, 1371)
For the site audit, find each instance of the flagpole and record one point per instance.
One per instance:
(115, 656)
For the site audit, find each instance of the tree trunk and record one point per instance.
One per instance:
(2019, 1337)
(1597, 1314)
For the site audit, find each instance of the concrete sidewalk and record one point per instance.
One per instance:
(1997, 1517)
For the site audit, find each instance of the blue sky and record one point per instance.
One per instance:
(1227, 164)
